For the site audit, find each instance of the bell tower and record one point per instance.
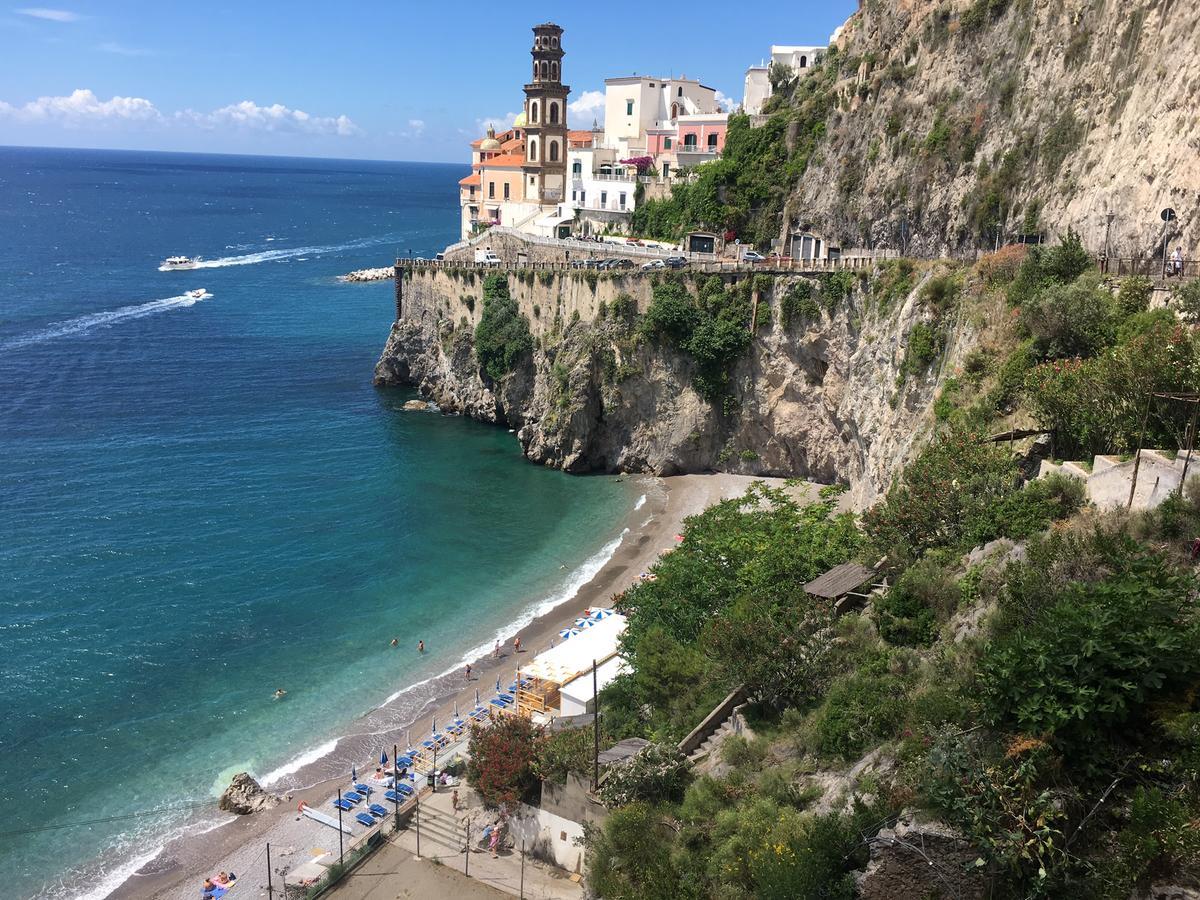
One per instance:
(545, 169)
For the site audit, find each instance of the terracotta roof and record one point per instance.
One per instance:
(504, 161)
(470, 181)
(513, 144)
(839, 581)
(580, 135)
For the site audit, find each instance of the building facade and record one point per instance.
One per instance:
(757, 88)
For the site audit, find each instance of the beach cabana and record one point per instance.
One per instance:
(542, 679)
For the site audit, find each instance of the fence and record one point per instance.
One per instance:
(335, 873)
(1148, 267)
(772, 267)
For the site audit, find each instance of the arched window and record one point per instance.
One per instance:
(553, 113)
(554, 42)
(554, 71)
(554, 151)
(533, 110)
(533, 150)
(535, 70)
(804, 62)
(545, 69)
(674, 111)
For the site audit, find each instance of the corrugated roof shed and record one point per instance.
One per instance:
(623, 750)
(839, 581)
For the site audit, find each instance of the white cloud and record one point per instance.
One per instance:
(727, 103)
(83, 106)
(277, 117)
(500, 123)
(50, 15)
(416, 127)
(589, 104)
(122, 50)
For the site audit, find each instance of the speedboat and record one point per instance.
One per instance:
(197, 294)
(178, 262)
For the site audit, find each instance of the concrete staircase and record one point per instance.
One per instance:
(441, 833)
(713, 741)
(1108, 480)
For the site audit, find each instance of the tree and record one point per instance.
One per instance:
(502, 336)
(501, 760)
(1077, 319)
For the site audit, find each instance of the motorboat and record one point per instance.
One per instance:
(178, 262)
(197, 294)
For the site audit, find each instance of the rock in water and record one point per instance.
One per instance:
(416, 406)
(245, 795)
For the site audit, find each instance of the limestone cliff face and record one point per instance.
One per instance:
(818, 400)
(955, 116)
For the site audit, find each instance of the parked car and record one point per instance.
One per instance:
(753, 256)
(621, 263)
(675, 262)
(653, 264)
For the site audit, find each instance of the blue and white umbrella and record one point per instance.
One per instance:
(433, 727)
(567, 632)
(497, 684)
(601, 614)
(477, 698)
(383, 758)
(353, 774)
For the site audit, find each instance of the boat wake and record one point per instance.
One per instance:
(83, 324)
(250, 259)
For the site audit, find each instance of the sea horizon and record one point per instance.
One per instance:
(350, 159)
(208, 499)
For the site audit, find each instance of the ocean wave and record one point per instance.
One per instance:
(297, 763)
(83, 324)
(115, 877)
(250, 259)
(641, 501)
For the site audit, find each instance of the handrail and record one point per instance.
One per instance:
(711, 722)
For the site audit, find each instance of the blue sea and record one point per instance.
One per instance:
(203, 500)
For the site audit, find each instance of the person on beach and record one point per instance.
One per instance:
(517, 644)
(454, 801)
(494, 843)
(468, 671)
(496, 652)
(421, 646)
(280, 693)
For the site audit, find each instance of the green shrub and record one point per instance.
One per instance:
(1187, 300)
(502, 337)
(837, 287)
(1134, 295)
(798, 305)
(925, 344)
(1090, 662)
(657, 773)
(922, 598)
(860, 710)
(1076, 319)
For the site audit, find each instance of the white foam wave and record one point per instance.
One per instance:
(83, 324)
(250, 259)
(299, 762)
(641, 501)
(116, 877)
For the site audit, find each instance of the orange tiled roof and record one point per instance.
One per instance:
(513, 144)
(471, 180)
(580, 136)
(504, 161)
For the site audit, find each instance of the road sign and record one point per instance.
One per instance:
(1168, 215)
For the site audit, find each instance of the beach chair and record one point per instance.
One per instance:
(455, 730)
(393, 796)
(498, 702)
(405, 790)
(363, 789)
(507, 698)
(476, 714)
(353, 797)
(377, 810)
(365, 819)
(343, 804)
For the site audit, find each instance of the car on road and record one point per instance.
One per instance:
(654, 264)
(675, 262)
(621, 263)
(753, 256)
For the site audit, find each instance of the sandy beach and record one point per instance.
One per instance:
(239, 845)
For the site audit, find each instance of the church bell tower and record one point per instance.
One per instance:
(545, 169)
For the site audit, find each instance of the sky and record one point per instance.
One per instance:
(359, 79)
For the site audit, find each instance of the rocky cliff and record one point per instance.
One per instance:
(962, 122)
(822, 398)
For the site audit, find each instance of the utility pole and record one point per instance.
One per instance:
(270, 889)
(595, 730)
(396, 783)
(341, 850)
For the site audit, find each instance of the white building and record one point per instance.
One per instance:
(639, 104)
(758, 80)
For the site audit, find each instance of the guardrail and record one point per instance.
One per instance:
(1149, 268)
(798, 267)
(711, 722)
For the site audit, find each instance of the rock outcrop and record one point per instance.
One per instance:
(245, 796)
(957, 120)
(921, 860)
(824, 400)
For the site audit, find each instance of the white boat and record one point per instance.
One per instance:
(178, 262)
(197, 294)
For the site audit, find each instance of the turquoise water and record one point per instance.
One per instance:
(202, 501)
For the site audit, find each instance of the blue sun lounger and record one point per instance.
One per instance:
(405, 790)
(477, 714)
(353, 797)
(498, 702)
(365, 819)
(393, 796)
(363, 789)
(343, 804)
(507, 698)
(377, 810)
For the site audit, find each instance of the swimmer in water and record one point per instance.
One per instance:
(395, 642)
(421, 646)
(280, 693)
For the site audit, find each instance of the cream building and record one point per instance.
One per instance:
(757, 88)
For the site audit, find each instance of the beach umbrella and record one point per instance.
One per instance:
(433, 727)
(497, 684)
(476, 698)
(383, 759)
(567, 632)
(408, 739)
(353, 774)
(601, 614)
(456, 708)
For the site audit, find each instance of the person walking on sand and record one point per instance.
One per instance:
(454, 801)
(517, 644)
(468, 671)
(494, 842)
(496, 652)
(421, 646)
